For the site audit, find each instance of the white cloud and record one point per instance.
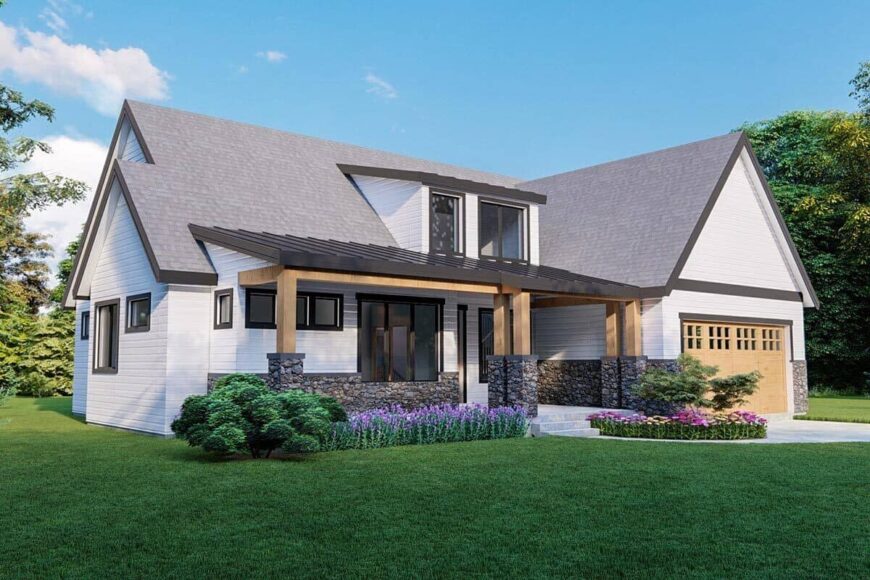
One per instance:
(54, 20)
(272, 55)
(80, 159)
(380, 87)
(56, 12)
(103, 78)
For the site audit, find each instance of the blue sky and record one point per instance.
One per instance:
(522, 88)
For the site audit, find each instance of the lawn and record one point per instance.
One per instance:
(851, 409)
(82, 501)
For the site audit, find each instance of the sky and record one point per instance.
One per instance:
(526, 89)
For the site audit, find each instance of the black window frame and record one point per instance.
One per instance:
(218, 325)
(482, 366)
(116, 336)
(85, 325)
(387, 299)
(460, 225)
(310, 296)
(128, 327)
(525, 224)
(263, 291)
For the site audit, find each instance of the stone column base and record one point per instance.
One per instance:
(801, 386)
(610, 391)
(285, 370)
(513, 381)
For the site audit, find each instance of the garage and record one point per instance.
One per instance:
(741, 348)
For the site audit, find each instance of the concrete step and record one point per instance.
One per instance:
(562, 425)
(557, 417)
(588, 432)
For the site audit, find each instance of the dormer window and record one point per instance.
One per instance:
(445, 224)
(502, 231)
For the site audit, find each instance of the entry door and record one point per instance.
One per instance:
(462, 350)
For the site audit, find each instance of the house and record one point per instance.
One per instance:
(215, 247)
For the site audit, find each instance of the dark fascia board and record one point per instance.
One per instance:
(336, 263)
(736, 290)
(742, 142)
(436, 180)
(691, 316)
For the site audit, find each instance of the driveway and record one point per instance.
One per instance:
(791, 431)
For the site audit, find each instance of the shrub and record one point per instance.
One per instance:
(37, 385)
(730, 392)
(434, 424)
(242, 415)
(687, 424)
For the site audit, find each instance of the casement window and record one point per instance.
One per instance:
(317, 311)
(138, 313)
(223, 309)
(85, 328)
(314, 310)
(445, 224)
(399, 338)
(106, 330)
(502, 231)
(486, 348)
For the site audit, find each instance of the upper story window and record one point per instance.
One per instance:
(445, 224)
(502, 231)
(139, 313)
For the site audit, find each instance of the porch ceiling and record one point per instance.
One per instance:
(350, 257)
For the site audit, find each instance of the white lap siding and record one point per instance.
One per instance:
(134, 397)
(80, 362)
(569, 333)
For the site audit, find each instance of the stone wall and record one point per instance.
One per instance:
(801, 386)
(569, 382)
(356, 395)
(513, 381)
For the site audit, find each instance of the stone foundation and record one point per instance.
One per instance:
(569, 382)
(285, 370)
(801, 386)
(513, 381)
(610, 391)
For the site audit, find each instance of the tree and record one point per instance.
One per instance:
(861, 87)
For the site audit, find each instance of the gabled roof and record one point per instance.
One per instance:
(635, 220)
(333, 255)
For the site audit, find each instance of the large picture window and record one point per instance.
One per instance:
(106, 334)
(399, 339)
(502, 232)
(445, 224)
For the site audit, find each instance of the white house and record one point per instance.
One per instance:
(215, 247)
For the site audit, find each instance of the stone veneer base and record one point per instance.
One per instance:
(801, 386)
(569, 382)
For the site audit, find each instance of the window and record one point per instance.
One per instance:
(445, 225)
(260, 308)
(138, 313)
(399, 339)
(502, 232)
(223, 309)
(85, 330)
(318, 311)
(106, 333)
(486, 326)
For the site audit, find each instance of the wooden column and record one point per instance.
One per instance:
(286, 316)
(501, 342)
(611, 329)
(633, 345)
(522, 323)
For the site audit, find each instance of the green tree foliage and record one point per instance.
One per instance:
(818, 166)
(241, 415)
(733, 391)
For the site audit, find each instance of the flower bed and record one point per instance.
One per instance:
(434, 424)
(687, 424)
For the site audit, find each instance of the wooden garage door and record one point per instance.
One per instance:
(741, 348)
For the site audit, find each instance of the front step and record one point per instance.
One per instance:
(548, 426)
(587, 432)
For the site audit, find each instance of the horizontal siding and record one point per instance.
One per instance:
(80, 362)
(188, 336)
(569, 333)
(400, 206)
(738, 244)
(132, 149)
(134, 398)
(534, 235)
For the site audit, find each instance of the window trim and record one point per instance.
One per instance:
(526, 223)
(387, 299)
(482, 374)
(218, 325)
(116, 335)
(128, 328)
(460, 217)
(85, 325)
(274, 293)
(322, 327)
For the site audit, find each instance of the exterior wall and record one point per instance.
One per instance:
(400, 205)
(569, 382)
(187, 346)
(534, 235)
(569, 333)
(131, 150)
(80, 362)
(739, 242)
(134, 397)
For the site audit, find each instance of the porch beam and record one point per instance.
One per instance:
(633, 345)
(560, 301)
(501, 342)
(286, 316)
(522, 323)
(611, 329)
(259, 276)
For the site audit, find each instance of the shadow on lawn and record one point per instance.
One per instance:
(59, 405)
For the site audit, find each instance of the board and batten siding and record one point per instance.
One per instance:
(739, 243)
(80, 362)
(134, 397)
(569, 333)
(401, 206)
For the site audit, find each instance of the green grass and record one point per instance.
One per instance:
(83, 501)
(848, 409)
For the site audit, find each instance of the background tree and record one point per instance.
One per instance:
(818, 166)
